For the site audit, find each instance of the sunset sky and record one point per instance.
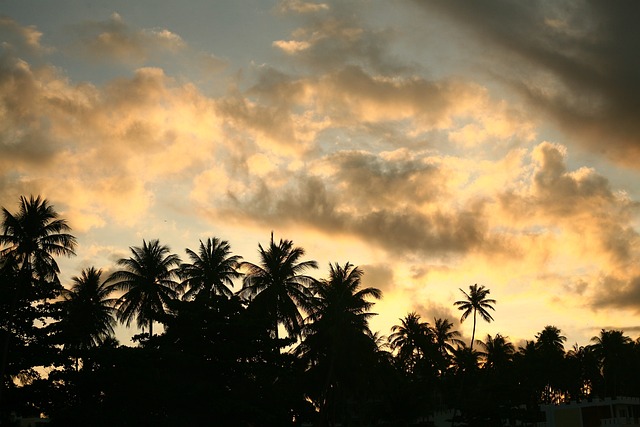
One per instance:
(435, 144)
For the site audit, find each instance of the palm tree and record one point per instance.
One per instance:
(211, 271)
(147, 278)
(466, 360)
(444, 337)
(550, 349)
(498, 352)
(338, 340)
(612, 348)
(30, 240)
(33, 236)
(550, 340)
(476, 302)
(410, 339)
(89, 315)
(278, 286)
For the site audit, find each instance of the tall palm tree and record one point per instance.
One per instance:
(338, 340)
(278, 286)
(211, 271)
(147, 279)
(89, 315)
(476, 302)
(410, 339)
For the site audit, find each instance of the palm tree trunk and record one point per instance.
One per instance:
(473, 334)
(150, 328)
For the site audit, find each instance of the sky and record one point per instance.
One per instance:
(434, 144)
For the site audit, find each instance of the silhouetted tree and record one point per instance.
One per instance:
(445, 339)
(476, 302)
(498, 352)
(29, 243)
(211, 270)
(88, 315)
(410, 340)
(338, 345)
(549, 345)
(147, 279)
(613, 350)
(278, 286)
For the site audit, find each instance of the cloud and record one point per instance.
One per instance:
(114, 39)
(378, 276)
(299, 6)
(20, 38)
(579, 202)
(573, 61)
(335, 36)
(99, 150)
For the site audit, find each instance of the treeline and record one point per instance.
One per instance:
(283, 349)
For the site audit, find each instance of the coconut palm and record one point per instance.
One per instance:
(410, 339)
(147, 279)
(211, 271)
(550, 340)
(30, 240)
(552, 364)
(476, 302)
(33, 236)
(338, 343)
(277, 285)
(88, 312)
(498, 352)
(444, 337)
(88, 309)
(613, 349)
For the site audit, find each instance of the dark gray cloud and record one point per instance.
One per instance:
(400, 227)
(114, 39)
(576, 61)
(378, 276)
(334, 36)
(618, 292)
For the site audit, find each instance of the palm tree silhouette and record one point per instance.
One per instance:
(498, 352)
(211, 271)
(89, 315)
(147, 278)
(550, 340)
(30, 240)
(445, 338)
(337, 336)
(476, 302)
(612, 348)
(410, 339)
(32, 237)
(278, 286)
